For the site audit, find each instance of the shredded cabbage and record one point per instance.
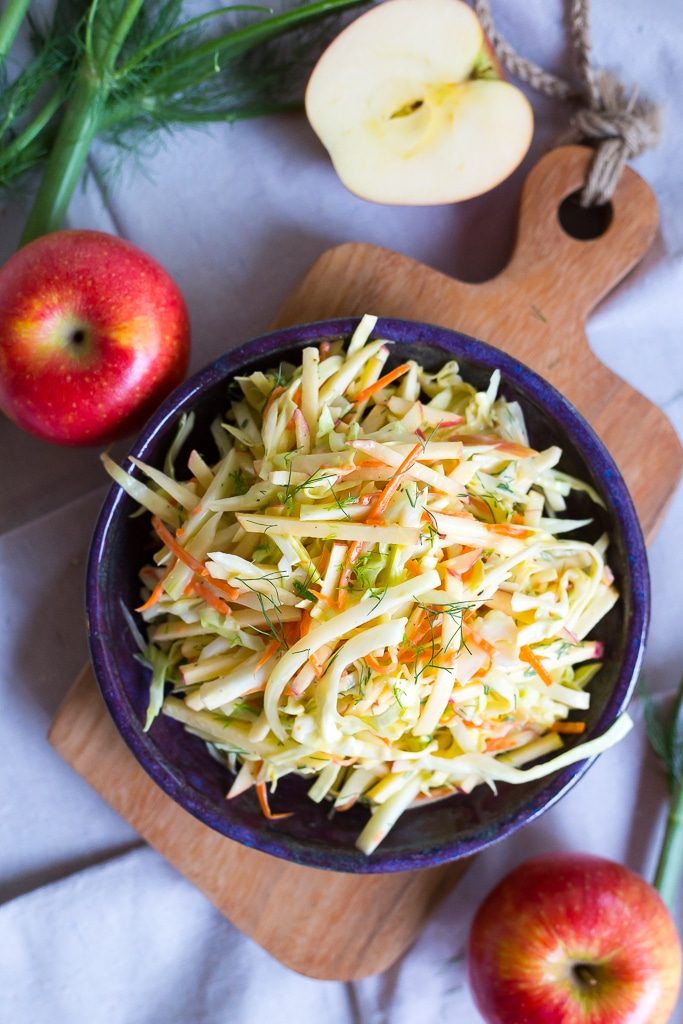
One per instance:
(371, 587)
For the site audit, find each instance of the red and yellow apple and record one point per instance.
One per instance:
(409, 103)
(93, 334)
(574, 939)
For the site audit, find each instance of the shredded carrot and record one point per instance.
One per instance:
(190, 561)
(377, 666)
(354, 552)
(500, 743)
(409, 649)
(230, 592)
(324, 560)
(270, 649)
(351, 802)
(253, 690)
(480, 439)
(262, 795)
(305, 622)
(447, 658)
(275, 393)
(383, 501)
(419, 634)
(483, 507)
(202, 590)
(324, 598)
(372, 464)
(517, 449)
(407, 656)
(416, 655)
(388, 378)
(292, 632)
(414, 567)
(569, 727)
(417, 616)
(165, 535)
(527, 655)
(435, 793)
(510, 530)
(469, 573)
(419, 630)
(155, 595)
(497, 442)
(479, 640)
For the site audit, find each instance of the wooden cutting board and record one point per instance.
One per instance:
(330, 925)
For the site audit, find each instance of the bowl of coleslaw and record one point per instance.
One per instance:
(367, 595)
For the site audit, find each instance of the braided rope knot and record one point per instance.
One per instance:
(600, 125)
(620, 127)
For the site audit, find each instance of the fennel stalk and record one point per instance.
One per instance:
(122, 69)
(10, 22)
(666, 739)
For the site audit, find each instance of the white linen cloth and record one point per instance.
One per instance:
(95, 927)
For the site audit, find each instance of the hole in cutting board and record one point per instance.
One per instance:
(584, 222)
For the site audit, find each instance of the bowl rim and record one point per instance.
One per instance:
(456, 345)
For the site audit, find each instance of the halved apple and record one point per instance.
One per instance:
(411, 108)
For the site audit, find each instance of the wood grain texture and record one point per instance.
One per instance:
(535, 309)
(325, 925)
(340, 926)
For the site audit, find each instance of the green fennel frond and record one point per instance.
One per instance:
(139, 67)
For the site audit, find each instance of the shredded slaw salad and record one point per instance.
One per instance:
(370, 586)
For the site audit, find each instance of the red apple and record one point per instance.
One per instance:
(93, 334)
(573, 939)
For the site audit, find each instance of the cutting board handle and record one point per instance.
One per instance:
(561, 272)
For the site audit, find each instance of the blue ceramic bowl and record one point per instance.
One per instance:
(437, 832)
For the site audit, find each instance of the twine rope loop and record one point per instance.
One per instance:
(618, 125)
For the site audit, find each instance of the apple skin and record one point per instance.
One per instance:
(93, 334)
(561, 911)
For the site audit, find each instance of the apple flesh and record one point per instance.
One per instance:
(409, 103)
(574, 939)
(93, 334)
